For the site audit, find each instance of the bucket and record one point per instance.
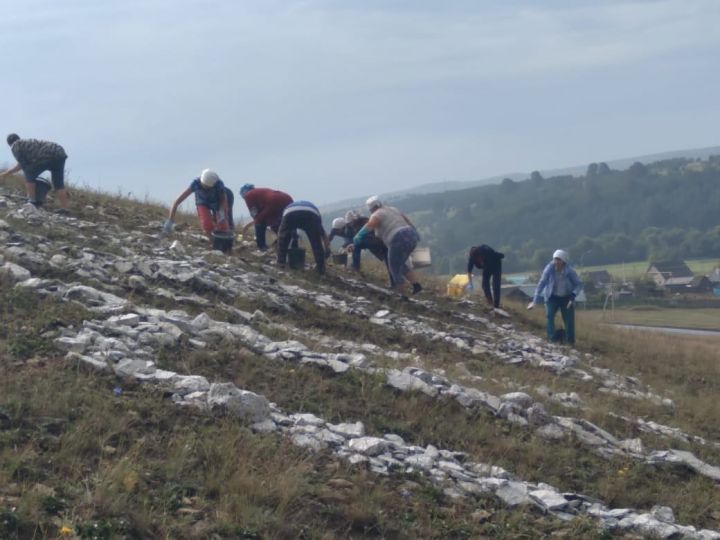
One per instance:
(420, 258)
(340, 258)
(296, 258)
(42, 187)
(222, 241)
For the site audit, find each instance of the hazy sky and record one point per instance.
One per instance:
(335, 99)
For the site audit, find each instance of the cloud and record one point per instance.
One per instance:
(357, 87)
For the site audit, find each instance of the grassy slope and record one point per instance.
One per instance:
(74, 453)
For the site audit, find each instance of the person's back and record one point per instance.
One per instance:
(390, 221)
(33, 151)
(267, 205)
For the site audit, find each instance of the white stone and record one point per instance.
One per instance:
(129, 319)
(241, 403)
(130, 367)
(663, 513)
(307, 419)
(348, 430)
(266, 426)
(421, 461)
(308, 441)
(519, 398)
(191, 383)
(405, 382)
(513, 493)
(201, 322)
(15, 271)
(552, 500)
(369, 446)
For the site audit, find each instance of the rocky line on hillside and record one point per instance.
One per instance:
(124, 339)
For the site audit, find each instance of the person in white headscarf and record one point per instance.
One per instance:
(558, 286)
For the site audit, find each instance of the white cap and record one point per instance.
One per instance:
(562, 255)
(351, 215)
(338, 223)
(373, 203)
(208, 178)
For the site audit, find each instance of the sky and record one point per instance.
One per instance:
(333, 99)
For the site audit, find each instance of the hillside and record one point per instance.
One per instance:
(151, 388)
(666, 209)
(577, 170)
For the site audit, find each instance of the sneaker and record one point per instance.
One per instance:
(417, 288)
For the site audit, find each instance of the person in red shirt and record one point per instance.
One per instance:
(266, 207)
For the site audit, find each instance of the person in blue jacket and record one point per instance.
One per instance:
(558, 286)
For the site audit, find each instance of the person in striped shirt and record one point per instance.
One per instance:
(306, 216)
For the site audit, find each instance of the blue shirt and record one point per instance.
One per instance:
(209, 197)
(301, 205)
(552, 282)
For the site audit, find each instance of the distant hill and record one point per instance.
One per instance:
(663, 209)
(577, 170)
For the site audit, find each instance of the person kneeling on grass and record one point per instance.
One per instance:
(399, 235)
(558, 285)
(302, 215)
(214, 203)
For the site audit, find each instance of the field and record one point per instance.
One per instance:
(633, 270)
(699, 319)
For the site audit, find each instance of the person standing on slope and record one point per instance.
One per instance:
(558, 286)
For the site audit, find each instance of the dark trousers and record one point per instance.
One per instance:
(374, 245)
(56, 168)
(568, 314)
(260, 229)
(309, 222)
(494, 272)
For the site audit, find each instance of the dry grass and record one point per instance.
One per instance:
(72, 452)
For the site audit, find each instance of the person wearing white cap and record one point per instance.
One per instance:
(558, 286)
(399, 236)
(347, 227)
(214, 203)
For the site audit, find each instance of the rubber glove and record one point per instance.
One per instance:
(221, 216)
(168, 226)
(570, 304)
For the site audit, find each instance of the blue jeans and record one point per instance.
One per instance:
(400, 248)
(568, 315)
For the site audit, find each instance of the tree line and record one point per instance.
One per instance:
(666, 209)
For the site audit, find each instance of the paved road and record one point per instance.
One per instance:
(667, 330)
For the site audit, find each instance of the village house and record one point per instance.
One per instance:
(670, 273)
